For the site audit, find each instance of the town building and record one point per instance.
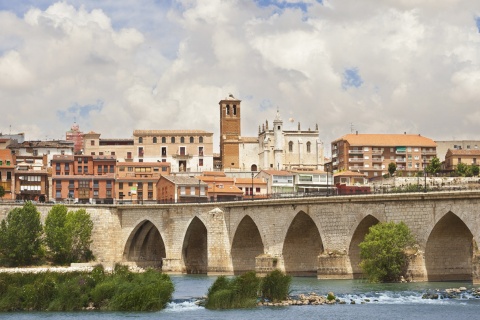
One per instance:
(32, 178)
(443, 146)
(122, 149)
(83, 178)
(455, 156)
(311, 182)
(40, 148)
(174, 189)
(185, 150)
(7, 174)
(279, 182)
(350, 182)
(370, 154)
(136, 182)
(221, 187)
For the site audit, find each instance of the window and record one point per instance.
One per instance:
(100, 153)
(309, 147)
(85, 160)
(35, 153)
(92, 153)
(67, 167)
(164, 151)
(192, 191)
(112, 170)
(58, 194)
(182, 139)
(164, 169)
(140, 151)
(57, 166)
(92, 142)
(84, 184)
(200, 140)
(182, 151)
(228, 109)
(109, 193)
(459, 160)
(129, 155)
(109, 184)
(58, 184)
(71, 184)
(95, 193)
(234, 110)
(290, 146)
(112, 153)
(79, 169)
(192, 140)
(120, 185)
(99, 170)
(79, 160)
(150, 195)
(140, 140)
(130, 169)
(182, 190)
(85, 169)
(122, 168)
(200, 162)
(200, 151)
(164, 140)
(172, 139)
(154, 139)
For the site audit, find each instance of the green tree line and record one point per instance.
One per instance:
(65, 238)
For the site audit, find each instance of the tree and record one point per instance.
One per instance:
(392, 167)
(434, 166)
(20, 236)
(68, 234)
(461, 169)
(80, 226)
(383, 252)
(2, 191)
(475, 170)
(57, 236)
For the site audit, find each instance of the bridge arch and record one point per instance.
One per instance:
(246, 245)
(145, 245)
(302, 246)
(195, 247)
(449, 250)
(358, 236)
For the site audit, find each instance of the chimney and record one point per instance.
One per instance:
(356, 132)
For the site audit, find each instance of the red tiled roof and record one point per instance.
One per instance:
(388, 140)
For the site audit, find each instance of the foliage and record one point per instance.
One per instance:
(461, 169)
(238, 292)
(276, 286)
(2, 191)
(383, 251)
(434, 166)
(48, 291)
(475, 170)
(20, 236)
(392, 167)
(68, 234)
(56, 234)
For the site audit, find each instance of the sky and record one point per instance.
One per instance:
(114, 66)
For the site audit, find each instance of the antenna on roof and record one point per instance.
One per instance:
(351, 127)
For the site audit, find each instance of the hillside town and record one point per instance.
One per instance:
(180, 166)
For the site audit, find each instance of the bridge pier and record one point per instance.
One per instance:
(476, 268)
(334, 266)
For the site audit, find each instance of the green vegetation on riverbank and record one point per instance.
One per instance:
(246, 290)
(120, 290)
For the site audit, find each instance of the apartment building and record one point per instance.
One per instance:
(370, 154)
(32, 178)
(83, 179)
(93, 145)
(185, 150)
(136, 182)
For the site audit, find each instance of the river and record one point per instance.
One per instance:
(387, 301)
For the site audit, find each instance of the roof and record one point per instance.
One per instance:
(63, 157)
(144, 164)
(169, 132)
(248, 181)
(224, 189)
(464, 152)
(278, 172)
(388, 140)
(215, 179)
(214, 173)
(181, 180)
(43, 144)
(349, 174)
(300, 171)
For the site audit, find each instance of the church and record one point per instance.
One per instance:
(273, 149)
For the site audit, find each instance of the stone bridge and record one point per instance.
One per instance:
(301, 236)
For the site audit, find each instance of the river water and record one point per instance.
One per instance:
(387, 301)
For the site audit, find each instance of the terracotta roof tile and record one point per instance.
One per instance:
(387, 140)
(464, 152)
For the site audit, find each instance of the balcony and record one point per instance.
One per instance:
(334, 155)
(355, 168)
(401, 152)
(377, 151)
(401, 160)
(377, 159)
(355, 151)
(355, 159)
(182, 155)
(424, 152)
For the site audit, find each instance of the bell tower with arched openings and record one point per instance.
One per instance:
(230, 132)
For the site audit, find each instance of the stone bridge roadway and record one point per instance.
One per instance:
(302, 236)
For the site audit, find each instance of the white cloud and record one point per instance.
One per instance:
(159, 67)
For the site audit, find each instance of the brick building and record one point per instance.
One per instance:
(370, 154)
(174, 189)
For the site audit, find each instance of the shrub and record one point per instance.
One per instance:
(238, 292)
(276, 286)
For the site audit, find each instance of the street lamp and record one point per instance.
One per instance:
(252, 185)
(328, 168)
(425, 172)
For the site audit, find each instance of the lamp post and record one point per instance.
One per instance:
(252, 185)
(328, 189)
(425, 172)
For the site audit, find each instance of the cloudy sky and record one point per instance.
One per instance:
(113, 66)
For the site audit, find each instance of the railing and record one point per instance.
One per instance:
(355, 168)
(355, 159)
(356, 151)
(401, 160)
(374, 151)
(377, 159)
